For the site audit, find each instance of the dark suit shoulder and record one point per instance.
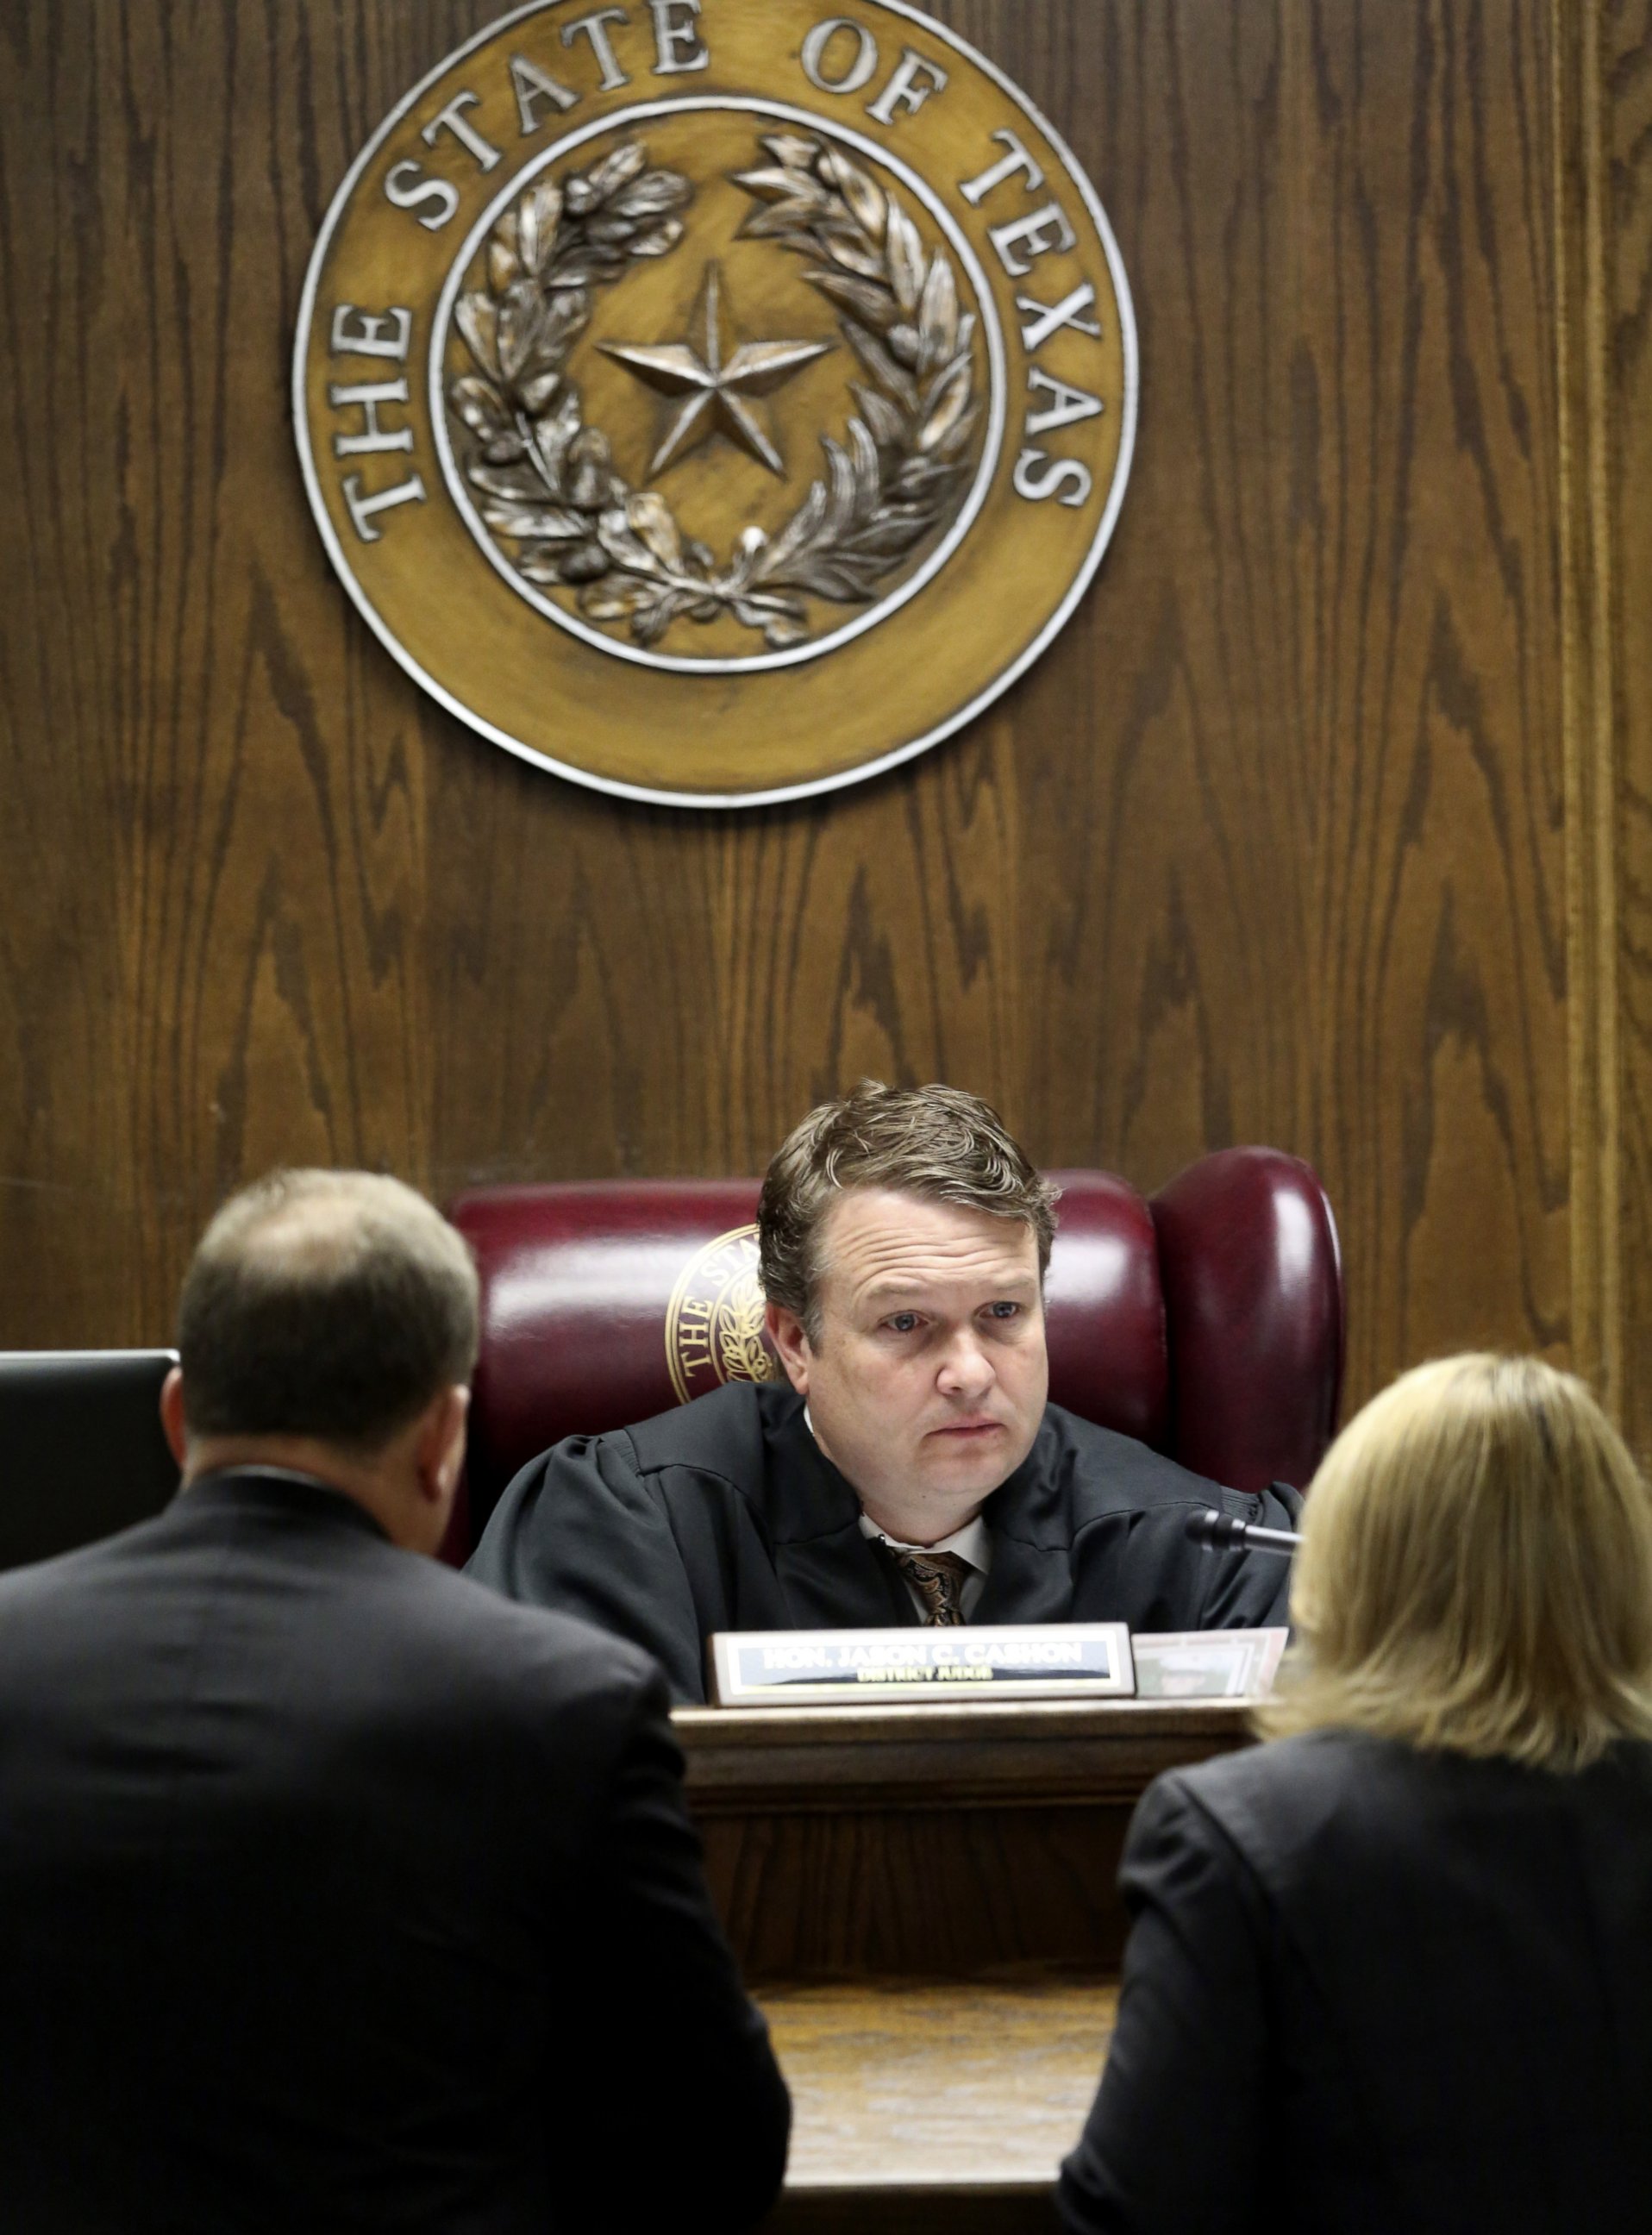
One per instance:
(1263, 1798)
(1283, 1804)
(468, 1622)
(448, 1639)
(558, 1684)
(43, 1584)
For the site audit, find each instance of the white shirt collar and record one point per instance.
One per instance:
(971, 1543)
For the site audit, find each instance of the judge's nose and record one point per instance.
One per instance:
(966, 1370)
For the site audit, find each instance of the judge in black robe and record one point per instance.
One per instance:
(725, 1515)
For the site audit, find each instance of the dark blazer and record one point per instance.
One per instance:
(1370, 1991)
(338, 1893)
(725, 1514)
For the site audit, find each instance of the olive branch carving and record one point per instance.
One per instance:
(546, 479)
(744, 1355)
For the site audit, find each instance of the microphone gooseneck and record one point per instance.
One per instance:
(1223, 1531)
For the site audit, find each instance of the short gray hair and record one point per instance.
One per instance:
(934, 1142)
(331, 1305)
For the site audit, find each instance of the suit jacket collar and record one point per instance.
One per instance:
(281, 1491)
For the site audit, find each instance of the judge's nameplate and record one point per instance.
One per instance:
(811, 1667)
(716, 402)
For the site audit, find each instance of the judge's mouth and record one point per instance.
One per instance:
(969, 1431)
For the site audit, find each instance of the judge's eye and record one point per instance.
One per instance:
(902, 1322)
(1004, 1310)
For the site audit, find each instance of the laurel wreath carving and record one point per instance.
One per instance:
(546, 479)
(744, 1352)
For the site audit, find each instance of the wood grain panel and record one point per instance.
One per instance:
(1625, 62)
(934, 2102)
(997, 1753)
(1271, 846)
(231, 802)
(942, 1893)
(939, 1842)
(1588, 714)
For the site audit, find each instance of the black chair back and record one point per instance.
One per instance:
(81, 1451)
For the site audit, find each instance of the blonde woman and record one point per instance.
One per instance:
(1393, 1971)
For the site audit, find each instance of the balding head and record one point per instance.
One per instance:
(330, 1306)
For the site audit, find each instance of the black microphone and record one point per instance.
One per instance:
(1221, 1529)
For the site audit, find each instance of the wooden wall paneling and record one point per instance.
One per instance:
(1450, 973)
(1178, 930)
(680, 991)
(565, 953)
(1314, 887)
(1622, 426)
(907, 943)
(1271, 846)
(282, 851)
(220, 792)
(1583, 326)
(68, 1199)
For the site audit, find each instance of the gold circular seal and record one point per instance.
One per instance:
(716, 403)
(714, 1322)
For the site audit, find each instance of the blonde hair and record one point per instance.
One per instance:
(1476, 1572)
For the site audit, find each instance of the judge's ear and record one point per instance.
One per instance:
(790, 1345)
(172, 1414)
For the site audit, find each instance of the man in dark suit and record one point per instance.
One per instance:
(335, 1891)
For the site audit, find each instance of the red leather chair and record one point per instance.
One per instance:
(1209, 1322)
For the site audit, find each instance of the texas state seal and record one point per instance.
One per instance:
(716, 402)
(715, 1319)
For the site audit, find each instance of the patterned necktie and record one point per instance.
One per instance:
(939, 1579)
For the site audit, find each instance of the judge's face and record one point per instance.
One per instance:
(929, 1376)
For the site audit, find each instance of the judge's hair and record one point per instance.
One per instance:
(1476, 1572)
(934, 1142)
(330, 1305)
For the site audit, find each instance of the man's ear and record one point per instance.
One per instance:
(172, 1414)
(790, 1345)
(439, 1450)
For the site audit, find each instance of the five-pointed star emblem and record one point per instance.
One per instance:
(715, 386)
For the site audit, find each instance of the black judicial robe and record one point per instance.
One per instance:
(725, 1515)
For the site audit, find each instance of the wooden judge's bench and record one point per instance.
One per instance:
(924, 1901)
